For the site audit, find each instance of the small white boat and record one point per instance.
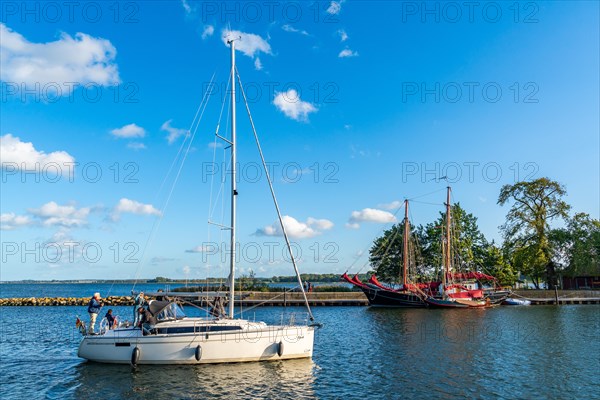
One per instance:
(516, 302)
(177, 339)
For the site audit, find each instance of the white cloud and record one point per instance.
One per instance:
(358, 151)
(257, 64)
(289, 28)
(348, 53)
(186, 270)
(394, 205)
(174, 133)
(202, 249)
(10, 221)
(129, 131)
(186, 7)
(320, 224)
(352, 225)
(248, 43)
(208, 31)
(136, 146)
(335, 7)
(296, 229)
(82, 59)
(23, 156)
(290, 104)
(133, 207)
(343, 35)
(53, 214)
(369, 215)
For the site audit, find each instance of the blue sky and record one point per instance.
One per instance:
(358, 105)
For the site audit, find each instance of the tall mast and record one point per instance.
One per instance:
(448, 257)
(405, 258)
(234, 193)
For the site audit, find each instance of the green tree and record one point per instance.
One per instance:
(577, 245)
(534, 205)
(496, 265)
(469, 247)
(385, 255)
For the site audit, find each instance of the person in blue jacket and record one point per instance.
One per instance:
(94, 307)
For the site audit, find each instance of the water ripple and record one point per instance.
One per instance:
(502, 353)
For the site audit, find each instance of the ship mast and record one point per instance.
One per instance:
(447, 255)
(234, 193)
(405, 258)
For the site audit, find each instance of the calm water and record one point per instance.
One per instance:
(532, 352)
(8, 290)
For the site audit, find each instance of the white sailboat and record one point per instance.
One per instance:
(178, 339)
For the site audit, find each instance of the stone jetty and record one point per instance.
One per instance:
(64, 301)
(246, 299)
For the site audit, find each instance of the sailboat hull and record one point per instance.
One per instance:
(389, 298)
(264, 343)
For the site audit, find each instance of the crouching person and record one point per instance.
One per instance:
(147, 321)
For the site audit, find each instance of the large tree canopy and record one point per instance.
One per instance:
(526, 230)
(468, 243)
(577, 246)
(385, 255)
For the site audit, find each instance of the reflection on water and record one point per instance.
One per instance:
(292, 379)
(519, 352)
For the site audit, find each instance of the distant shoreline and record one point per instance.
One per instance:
(95, 281)
(321, 278)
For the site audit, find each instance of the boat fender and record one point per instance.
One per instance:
(198, 353)
(135, 356)
(280, 349)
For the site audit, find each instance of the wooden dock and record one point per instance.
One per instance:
(559, 297)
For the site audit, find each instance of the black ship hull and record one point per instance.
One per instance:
(388, 298)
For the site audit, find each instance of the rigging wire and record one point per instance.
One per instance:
(287, 240)
(212, 179)
(157, 222)
(412, 200)
(377, 250)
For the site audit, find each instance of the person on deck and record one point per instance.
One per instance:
(94, 307)
(147, 321)
(111, 319)
(139, 301)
